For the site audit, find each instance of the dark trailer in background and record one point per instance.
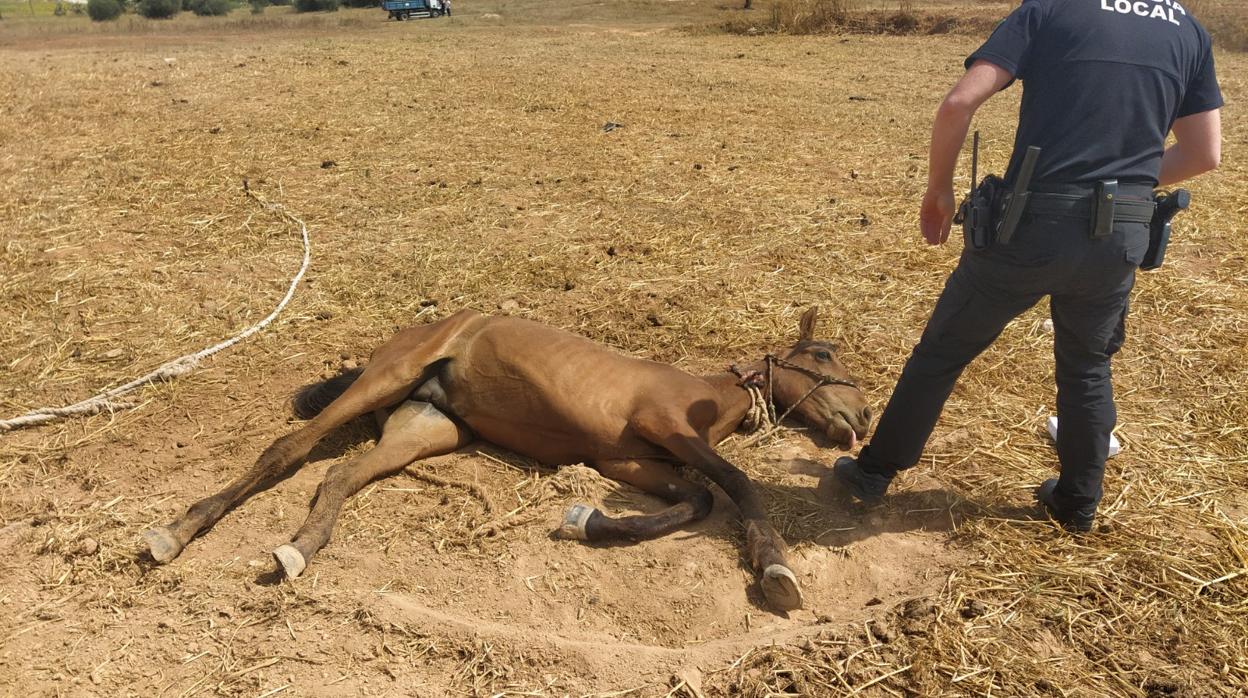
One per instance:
(407, 9)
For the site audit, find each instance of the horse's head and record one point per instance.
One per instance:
(810, 376)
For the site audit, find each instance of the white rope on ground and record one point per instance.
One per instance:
(179, 366)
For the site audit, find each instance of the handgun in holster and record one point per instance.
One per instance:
(1168, 206)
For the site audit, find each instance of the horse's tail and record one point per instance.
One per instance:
(314, 397)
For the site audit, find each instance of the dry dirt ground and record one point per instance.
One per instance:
(464, 163)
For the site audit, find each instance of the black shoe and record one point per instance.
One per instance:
(1071, 521)
(867, 487)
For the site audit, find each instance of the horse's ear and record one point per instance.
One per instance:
(807, 327)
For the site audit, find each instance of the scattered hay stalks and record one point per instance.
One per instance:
(1042, 614)
(535, 499)
(694, 266)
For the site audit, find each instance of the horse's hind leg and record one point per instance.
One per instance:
(765, 548)
(413, 431)
(397, 367)
(368, 393)
(691, 502)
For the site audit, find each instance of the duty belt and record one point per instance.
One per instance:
(1072, 206)
(1100, 204)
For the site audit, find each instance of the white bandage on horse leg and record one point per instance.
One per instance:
(574, 522)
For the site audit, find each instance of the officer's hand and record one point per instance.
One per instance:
(936, 216)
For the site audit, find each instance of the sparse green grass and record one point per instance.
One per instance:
(273, 18)
(19, 9)
(490, 13)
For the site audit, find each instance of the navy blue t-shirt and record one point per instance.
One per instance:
(1103, 82)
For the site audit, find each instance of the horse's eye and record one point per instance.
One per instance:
(823, 356)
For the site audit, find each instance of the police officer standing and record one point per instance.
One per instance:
(1104, 82)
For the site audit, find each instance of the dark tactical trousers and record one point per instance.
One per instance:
(1089, 283)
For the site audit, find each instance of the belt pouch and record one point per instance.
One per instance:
(1103, 208)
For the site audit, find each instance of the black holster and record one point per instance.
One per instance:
(980, 211)
(1168, 206)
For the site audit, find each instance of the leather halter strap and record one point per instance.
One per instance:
(823, 379)
(755, 381)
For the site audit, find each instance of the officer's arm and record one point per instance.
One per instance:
(981, 81)
(1197, 148)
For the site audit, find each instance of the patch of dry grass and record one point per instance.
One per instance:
(1225, 19)
(806, 17)
(1228, 24)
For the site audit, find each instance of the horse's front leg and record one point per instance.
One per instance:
(414, 430)
(766, 549)
(690, 502)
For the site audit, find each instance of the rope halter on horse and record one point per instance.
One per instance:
(762, 413)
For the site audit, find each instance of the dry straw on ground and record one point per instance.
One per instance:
(1226, 20)
(465, 164)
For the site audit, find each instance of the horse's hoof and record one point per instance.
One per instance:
(161, 544)
(780, 587)
(291, 560)
(573, 527)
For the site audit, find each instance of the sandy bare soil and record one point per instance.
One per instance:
(464, 164)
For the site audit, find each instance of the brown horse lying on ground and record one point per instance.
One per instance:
(557, 398)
